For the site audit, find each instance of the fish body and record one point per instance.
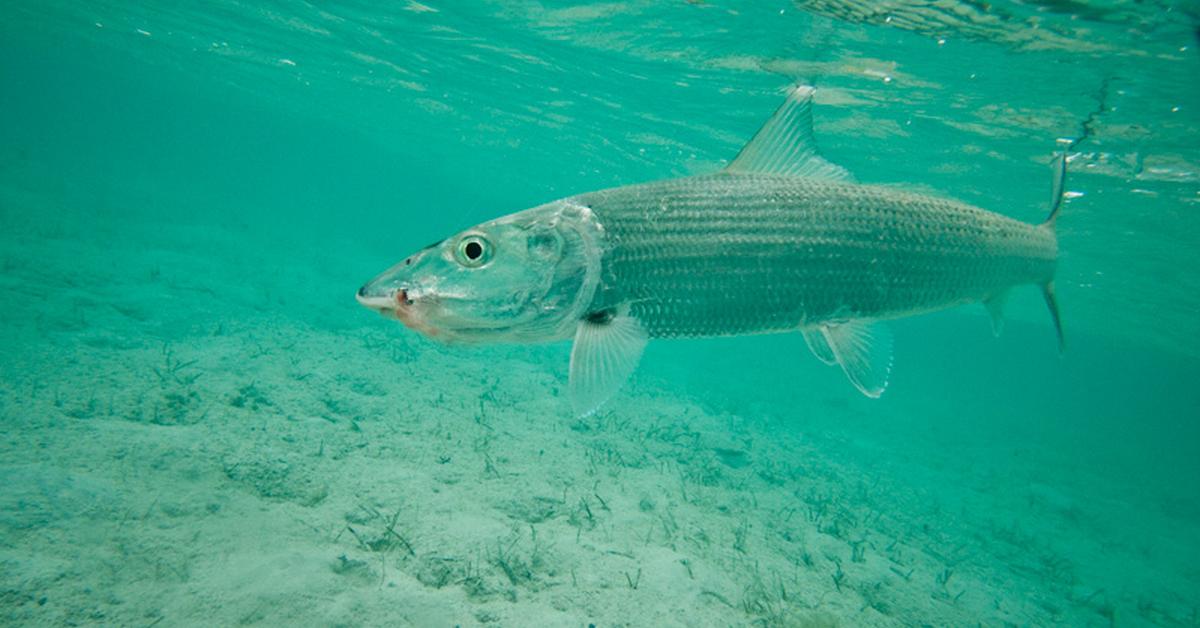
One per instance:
(780, 240)
(730, 254)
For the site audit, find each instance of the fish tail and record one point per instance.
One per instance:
(1052, 305)
(1057, 194)
(1058, 185)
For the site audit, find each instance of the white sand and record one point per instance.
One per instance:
(202, 428)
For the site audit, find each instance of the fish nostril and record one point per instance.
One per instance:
(362, 292)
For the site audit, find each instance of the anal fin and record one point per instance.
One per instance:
(863, 350)
(995, 308)
(608, 346)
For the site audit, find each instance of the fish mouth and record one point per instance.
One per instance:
(391, 304)
(417, 314)
(383, 303)
(398, 305)
(373, 302)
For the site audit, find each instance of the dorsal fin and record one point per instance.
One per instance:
(784, 145)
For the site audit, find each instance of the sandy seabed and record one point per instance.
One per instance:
(195, 435)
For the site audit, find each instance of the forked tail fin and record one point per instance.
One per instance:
(1057, 193)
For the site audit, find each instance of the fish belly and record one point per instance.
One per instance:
(733, 254)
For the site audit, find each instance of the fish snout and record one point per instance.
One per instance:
(383, 300)
(395, 303)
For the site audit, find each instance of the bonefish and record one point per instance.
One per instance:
(781, 240)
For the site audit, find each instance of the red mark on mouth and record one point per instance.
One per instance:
(407, 314)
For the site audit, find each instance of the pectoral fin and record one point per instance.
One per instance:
(608, 346)
(861, 348)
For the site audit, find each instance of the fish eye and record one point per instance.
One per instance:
(474, 251)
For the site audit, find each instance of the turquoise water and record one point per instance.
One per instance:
(201, 426)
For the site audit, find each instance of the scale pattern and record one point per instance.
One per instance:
(744, 253)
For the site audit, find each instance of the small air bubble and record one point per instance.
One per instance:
(941, 42)
(1174, 109)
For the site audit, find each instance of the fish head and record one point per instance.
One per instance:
(525, 277)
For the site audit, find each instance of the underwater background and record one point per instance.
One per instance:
(199, 425)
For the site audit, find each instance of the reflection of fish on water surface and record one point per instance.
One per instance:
(780, 240)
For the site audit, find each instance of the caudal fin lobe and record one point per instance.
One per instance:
(1052, 304)
(1057, 193)
(1058, 185)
